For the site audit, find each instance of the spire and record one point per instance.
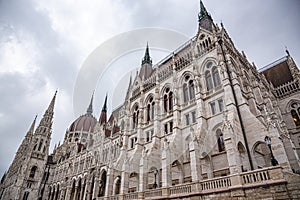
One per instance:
(203, 12)
(147, 58)
(46, 121)
(104, 108)
(204, 18)
(90, 108)
(51, 105)
(128, 89)
(103, 117)
(28, 138)
(31, 129)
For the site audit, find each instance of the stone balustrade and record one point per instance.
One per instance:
(216, 183)
(129, 196)
(253, 178)
(153, 193)
(181, 189)
(287, 89)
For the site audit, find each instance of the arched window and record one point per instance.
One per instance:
(118, 185)
(168, 100)
(25, 196)
(32, 172)
(216, 77)
(212, 76)
(102, 184)
(188, 89)
(295, 112)
(150, 109)
(40, 145)
(185, 93)
(191, 89)
(209, 83)
(135, 117)
(220, 140)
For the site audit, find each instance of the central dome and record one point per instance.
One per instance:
(84, 123)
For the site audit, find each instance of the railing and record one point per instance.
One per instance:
(129, 196)
(153, 193)
(113, 197)
(287, 88)
(216, 183)
(255, 177)
(252, 178)
(181, 189)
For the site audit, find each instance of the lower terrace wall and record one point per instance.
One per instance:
(267, 184)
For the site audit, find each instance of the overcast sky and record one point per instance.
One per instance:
(43, 45)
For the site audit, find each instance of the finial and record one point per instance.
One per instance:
(287, 51)
(90, 108)
(147, 58)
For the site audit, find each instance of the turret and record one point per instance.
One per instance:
(146, 67)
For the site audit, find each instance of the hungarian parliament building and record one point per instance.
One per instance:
(204, 123)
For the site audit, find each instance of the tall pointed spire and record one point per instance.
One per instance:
(31, 129)
(204, 18)
(103, 117)
(203, 12)
(147, 58)
(46, 121)
(28, 138)
(90, 108)
(51, 105)
(104, 108)
(128, 88)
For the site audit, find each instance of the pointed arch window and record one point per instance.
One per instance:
(168, 100)
(295, 113)
(220, 140)
(32, 172)
(118, 185)
(25, 196)
(185, 93)
(212, 76)
(40, 145)
(135, 117)
(216, 77)
(188, 89)
(150, 109)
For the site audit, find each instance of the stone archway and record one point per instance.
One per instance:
(262, 155)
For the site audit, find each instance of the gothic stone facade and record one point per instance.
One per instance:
(191, 127)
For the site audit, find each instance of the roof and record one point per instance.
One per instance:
(85, 123)
(278, 72)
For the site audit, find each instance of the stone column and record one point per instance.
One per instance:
(68, 191)
(166, 167)
(194, 161)
(109, 182)
(96, 188)
(143, 173)
(124, 181)
(231, 151)
(75, 193)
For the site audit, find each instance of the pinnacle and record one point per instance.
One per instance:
(147, 58)
(203, 12)
(90, 108)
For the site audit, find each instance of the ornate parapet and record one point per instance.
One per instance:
(228, 186)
